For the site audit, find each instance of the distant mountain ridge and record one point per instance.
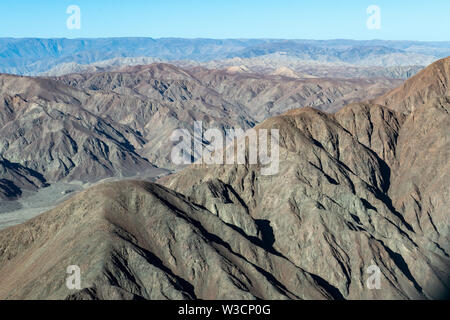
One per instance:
(30, 56)
(272, 64)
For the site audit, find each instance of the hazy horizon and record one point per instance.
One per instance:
(409, 21)
(224, 39)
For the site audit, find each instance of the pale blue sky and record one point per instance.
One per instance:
(288, 19)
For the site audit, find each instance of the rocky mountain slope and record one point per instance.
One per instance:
(157, 99)
(87, 127)
(16, 178)
(430, 83)
(255, 96)
(45, 127)
(337, 195)
(364, 176)
(267, 96)
(151, 243)
(65, 133)
(366, 186)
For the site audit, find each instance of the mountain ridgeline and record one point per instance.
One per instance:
(32, 56)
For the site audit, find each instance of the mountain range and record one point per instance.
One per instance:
(33, 56)
(91, 126)
(363, 181)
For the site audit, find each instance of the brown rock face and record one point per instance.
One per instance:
(430, 83)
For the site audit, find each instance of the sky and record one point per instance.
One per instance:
(282, 19)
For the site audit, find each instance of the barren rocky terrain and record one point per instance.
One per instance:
(366, 185)
(87, 127)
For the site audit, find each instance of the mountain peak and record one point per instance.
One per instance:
(432, 82)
